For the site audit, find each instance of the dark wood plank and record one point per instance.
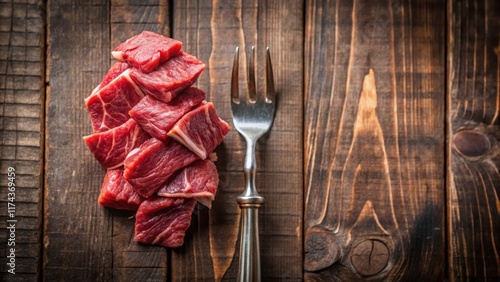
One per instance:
(211, 31)
(129, 17)
(132, 261)
(21, 110)
(77, 232)
(374, 140)
(474, 133)
(82, 239)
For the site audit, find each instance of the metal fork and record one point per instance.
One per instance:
(253, 116)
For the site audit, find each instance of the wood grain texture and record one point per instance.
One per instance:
(21, 111)
(211, 31)
(474, 133)
(82, 239)
(77, 231)
(374, 148)
(133, 261)
(129, 17)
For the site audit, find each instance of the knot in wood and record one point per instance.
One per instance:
(471, 144)
(370, 257)
(321, 249)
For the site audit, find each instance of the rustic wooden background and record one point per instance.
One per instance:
(382, 164)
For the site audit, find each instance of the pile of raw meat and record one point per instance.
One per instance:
(155, 134)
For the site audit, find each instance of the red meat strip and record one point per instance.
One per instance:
(111, 147)
(163, 221)
(200, 130)
(117, 193)
(109, 106)
(147, 50)
(150, 165)
(171, 78)
(198, 180)
(112, 73)
(157, 118)
(115, 70)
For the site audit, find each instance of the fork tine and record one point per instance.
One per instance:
(234, 78)
(251, 75)
(269, 78)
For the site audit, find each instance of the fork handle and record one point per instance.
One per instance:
(249, 202)
(249, 263)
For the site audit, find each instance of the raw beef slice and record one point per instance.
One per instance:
(111, 147)
(147, 50)
(171, 78)
(157, 118)
(150, 165)
(200, 130)
(117, 193)
(163, 221)
(198, 180)
(115, 70)
(109, 106)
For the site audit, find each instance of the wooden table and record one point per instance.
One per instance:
(382, 164)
